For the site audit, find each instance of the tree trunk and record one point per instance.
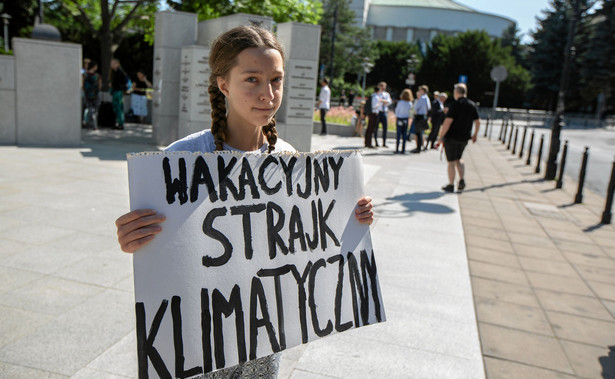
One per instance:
(105, 44)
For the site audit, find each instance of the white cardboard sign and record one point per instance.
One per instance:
(259, 253)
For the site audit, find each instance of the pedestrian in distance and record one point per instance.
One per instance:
(402, 113)
(324, 104)
(381, 107)
(138, 96)
(245, 91)
(455, 133)
(422, 105)
(91, 87)
(342, 99)
(436, 117)
(372, 119)
(120, 84)
(351, 98)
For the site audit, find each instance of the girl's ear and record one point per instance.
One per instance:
(222, 85)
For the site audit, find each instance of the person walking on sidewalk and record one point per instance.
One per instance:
(380, 106)
(372, 119)
(436, 115)
(402, 113)
(455, 133)
(120, 83)
(422, 105)
(324, 103)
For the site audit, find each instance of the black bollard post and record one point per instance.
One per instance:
(560, 179)
(510, 137)
(529, 150)
(542, 142)
(578, 199)
(486, 128)
(606, 215)
(504, 130)
(491, 131)
(522, 142)
(514, 150)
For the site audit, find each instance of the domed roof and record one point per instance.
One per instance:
(441, 4)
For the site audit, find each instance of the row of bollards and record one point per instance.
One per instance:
(508, 133)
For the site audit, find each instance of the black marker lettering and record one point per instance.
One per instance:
(273, 229)
(178, 342)
(336, 166)
(369, 268)
(222, 306)
(312, 302)
(288, 171)
(244, 211)
(324, 228)
(145, 342)
(308, 180)
(257, 297)
(202, 175)
(261, 176)
(177, 185)
(321, 175)
(338, 294)
(223, 179)
(206, 330)
(209, 231)
(295, 228)
(246, 177)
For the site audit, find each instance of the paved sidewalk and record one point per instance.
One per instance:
(543, 270)
(66, 295)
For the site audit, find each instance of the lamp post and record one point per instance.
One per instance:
(367, 67)
(412, 62)
(5, 20)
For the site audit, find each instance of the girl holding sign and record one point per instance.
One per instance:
(245, 91)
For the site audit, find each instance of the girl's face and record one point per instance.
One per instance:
(253, 87)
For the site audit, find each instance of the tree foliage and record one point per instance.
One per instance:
(473, 54)
(306, 11)
(352, 43)
(392, 66)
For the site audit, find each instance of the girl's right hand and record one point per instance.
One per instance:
(137, 228)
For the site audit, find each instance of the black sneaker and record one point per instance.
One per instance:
(461, 185)
(448, 188)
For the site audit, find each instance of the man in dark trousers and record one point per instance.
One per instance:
(455, 133)
(436, 117)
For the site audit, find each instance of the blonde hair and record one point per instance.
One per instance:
(406, 95)
(222, 58)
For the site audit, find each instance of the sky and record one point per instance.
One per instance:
(524, 12)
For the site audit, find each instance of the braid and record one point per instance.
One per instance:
(218, 115)
(271, 133)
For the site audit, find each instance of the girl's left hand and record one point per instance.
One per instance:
(363, 212)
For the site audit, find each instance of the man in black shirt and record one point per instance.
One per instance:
(455, 133)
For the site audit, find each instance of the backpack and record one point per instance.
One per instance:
(90, 86)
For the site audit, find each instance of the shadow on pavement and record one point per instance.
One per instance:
(608, 364)
(414, 202)
(113, 144)
(506, 185)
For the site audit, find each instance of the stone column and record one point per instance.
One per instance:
(173, 31)
(8, 126)
(48, 85)
(302, 44)
(194, 106)
(210, 29)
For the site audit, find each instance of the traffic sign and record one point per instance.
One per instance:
(463, 79)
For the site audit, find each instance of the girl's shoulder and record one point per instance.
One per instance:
(202, 142)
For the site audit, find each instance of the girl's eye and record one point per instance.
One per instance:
(278, 79)
(251, 79)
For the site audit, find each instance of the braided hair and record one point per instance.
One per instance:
(222, 58)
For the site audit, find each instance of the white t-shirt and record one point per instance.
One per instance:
(325, 97)
(204, 142)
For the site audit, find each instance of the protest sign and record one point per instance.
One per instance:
(258, 253)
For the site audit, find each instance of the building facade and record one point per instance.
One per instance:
(422, 20)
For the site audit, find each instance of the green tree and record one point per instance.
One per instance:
(392, 66)
(306, 11)
(105, 21)
(352, 43)
(473, 54)
(596, 61)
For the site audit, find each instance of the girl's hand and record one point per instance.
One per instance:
(363, 212)
(137, 228)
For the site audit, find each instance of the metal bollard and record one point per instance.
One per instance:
(578, 199)
(606, 215)
(510, 136)
(514, 150)
(542, 142)
(560, 179)
(503, 130)
(529, 150)
(522, 142)
(491, 131)
(486, 128)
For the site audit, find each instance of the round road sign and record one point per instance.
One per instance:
(499, 73)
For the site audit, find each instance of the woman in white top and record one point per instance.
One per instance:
(402, 113)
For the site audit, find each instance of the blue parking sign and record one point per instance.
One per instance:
(463, 79)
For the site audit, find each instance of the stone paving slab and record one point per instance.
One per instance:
(543, 279)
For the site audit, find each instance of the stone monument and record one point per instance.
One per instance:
(8, 125)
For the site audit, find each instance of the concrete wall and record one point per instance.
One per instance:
(47, 94)
(8, 124)
(194, 106)
(173, 31)
(210, 29)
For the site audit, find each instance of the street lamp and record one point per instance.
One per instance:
(367, 67)
(5, 20)
(412, 63)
